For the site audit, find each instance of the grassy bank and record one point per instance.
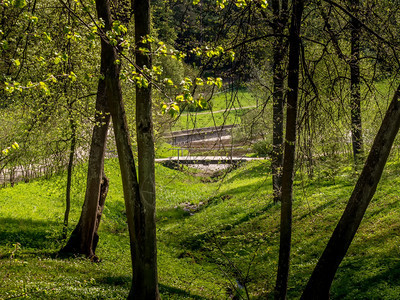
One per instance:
(227, 109)
(212, 234)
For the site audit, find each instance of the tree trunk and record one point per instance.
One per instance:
(279, 24)
(69, 177)
(82, 238)
(321, 279)
(72, 125)
(289, 155)
(355, 102)
(141, 225)
(145, 281)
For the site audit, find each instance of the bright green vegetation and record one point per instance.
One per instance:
(233, 99)
(210, 233)
(227, 109)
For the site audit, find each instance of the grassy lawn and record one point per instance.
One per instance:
(211, 234)
(226, 110)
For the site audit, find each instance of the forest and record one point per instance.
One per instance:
(199, 149)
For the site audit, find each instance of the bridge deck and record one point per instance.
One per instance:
(205, 160)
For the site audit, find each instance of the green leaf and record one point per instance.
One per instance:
(72, 76)
(16, 62)
(199, 82)
(43, 86)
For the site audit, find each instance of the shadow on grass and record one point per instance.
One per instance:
(380, 283)
(171, 215)
(115, 280)
(198, 241)
(29, 233)
(165, 290)
(261, 170)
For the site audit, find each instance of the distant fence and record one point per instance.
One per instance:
(48, 167)
(16, 174)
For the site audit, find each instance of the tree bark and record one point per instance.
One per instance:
(280, 12)
(140, 224)
(355, 103)
(81, 240)
(289, 155)
(321, 279)
(69, 177)
(145, 281)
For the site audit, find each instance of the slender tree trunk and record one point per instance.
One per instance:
(82, 238)
(289, 155)
(145, 278)
(69, 177)
(100, 207)
(140, 224)
(72, 125)
(355, 103)
(321, 279)
(279, 24)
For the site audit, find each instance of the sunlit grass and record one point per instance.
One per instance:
(211, 233)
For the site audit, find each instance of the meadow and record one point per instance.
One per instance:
(217, 236)
(227, 108)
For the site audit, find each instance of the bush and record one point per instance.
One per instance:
(262, 148)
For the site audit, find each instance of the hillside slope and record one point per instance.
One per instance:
(216, 238)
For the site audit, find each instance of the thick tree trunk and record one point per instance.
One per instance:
(289, 155)
(279, 24)
(321, 279)
(145, 281)
(140, 224)
(82, 238)
(355, 103)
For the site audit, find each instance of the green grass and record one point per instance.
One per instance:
(233, 234)
(230, 102)
(233, 99)
(201, 119)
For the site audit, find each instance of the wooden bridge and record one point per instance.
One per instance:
(186, 137)
(206, 160)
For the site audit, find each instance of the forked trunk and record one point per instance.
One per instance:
(82, 238)
(139, 213)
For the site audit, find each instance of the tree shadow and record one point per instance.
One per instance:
(165, 290)
(29, 233)
(170, 290)
(253, 172)
(115, 280)
(378, 283)
(197, 241)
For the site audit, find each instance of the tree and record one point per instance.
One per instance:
(73, 125)
(280, 11)
(321, 279)
(84, 238)
(289, 154)
(145, 281)
(140, 213)
(355, 103)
